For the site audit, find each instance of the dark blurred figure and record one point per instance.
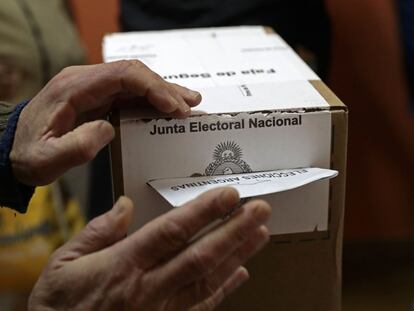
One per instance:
(100, 185)
(37, 40)
(368, 73)
(406, 10)
(302, 23)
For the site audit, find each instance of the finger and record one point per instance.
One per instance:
(129, 101)
(237, 279)
(131, 77)
(213, 283)
(77, 147)
(210, 297)
(101, 232)
(171, 232)
(206, 254)
(239, 257)
(192, 98)
(163, 97)
(185, 98)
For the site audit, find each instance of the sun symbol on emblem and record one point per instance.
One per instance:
(227, 160)
(228, 149)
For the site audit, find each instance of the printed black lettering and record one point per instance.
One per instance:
(167, 129)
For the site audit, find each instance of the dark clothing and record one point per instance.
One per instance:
(100, 185)
(406, 8)
(167, 14)
(300, 22)
(13, 194)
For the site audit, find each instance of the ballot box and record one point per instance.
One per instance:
(268, 126)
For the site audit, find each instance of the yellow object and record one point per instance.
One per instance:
(27, 240)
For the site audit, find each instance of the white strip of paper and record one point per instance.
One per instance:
(178, 191)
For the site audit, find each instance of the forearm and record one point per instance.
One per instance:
(13, 194)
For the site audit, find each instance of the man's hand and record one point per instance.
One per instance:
(159, 267)
(62, 126)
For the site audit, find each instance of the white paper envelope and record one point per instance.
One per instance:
(178, 191)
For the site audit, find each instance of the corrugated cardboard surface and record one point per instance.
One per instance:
(299, 271)
(303, 272)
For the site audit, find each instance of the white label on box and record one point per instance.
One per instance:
(236, 69)
(206, 58)
(295, 95)
(213, 144)
(259, 97)
(212, 61)
(178, 191)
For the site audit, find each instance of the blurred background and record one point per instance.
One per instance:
(363, 49)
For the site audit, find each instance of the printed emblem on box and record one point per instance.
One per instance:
(227, 156)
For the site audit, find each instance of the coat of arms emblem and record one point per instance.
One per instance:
(227, 160)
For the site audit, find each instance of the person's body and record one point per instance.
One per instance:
(406, 14)
(159, 267)
(379, 202)
(303, 23)
(37, 40)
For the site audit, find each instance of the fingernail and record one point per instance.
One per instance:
(261, 211)
(119, 206)
(264, 231)
(194, 94)
(242, 277)
(230, 197)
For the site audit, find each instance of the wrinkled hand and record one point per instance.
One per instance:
(159, 267)
(61, 127)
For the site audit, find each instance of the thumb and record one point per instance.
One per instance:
(79, 146)
(101, 232)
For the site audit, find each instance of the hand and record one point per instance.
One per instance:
(159, 267)
(61, 127)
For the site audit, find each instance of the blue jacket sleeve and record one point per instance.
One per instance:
(13, 194)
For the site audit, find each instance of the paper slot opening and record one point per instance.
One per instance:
(178, 191)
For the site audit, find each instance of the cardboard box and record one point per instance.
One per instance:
(263, 109)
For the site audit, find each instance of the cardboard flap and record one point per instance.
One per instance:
(178, 191)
